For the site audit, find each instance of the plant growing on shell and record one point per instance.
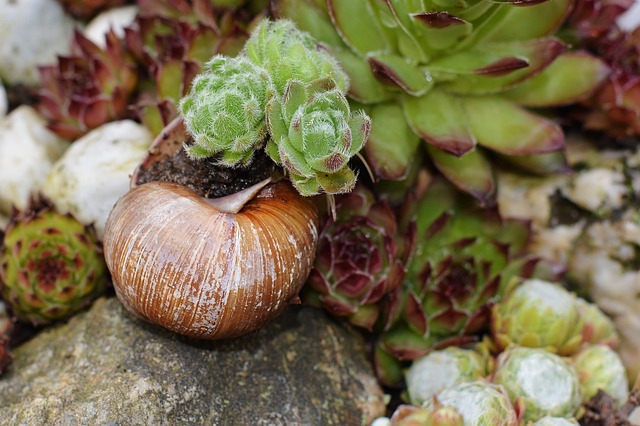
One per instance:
(283, 95)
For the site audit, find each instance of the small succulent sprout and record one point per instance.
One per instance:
(479, 403)
(599, 368)
(598, 328)
(556, 421)
(50, 265)
(290, 54)
(547, 384)
(538, 314)
(441, 369)
(225, 110)
(314, 134)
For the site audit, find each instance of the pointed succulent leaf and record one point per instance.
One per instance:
(540, 20)
(559, 83)
(395, 70)
(441, 30)
(472, 173)
(494, 67)
(503, 126)
(392, 146)
(440, 119)
(365, 86)
(356, 24)
(598, 327)
(225, 110)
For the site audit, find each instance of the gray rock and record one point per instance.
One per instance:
(105, 367)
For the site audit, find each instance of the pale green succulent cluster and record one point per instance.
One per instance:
(282, 88)
(599, 368)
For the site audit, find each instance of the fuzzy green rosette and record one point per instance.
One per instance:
(225, 110)
(538, 314)
(314, 134)
(290, 54)
(50, 266)
(547, 384)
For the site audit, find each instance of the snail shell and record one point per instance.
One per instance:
(179, 262)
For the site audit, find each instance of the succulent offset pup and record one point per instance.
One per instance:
(50, 266)
(459, 75)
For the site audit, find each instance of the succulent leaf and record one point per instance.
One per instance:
(392, 146)
(559, 84)
(505, 127)
(440, 119)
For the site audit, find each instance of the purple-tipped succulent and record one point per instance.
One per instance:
(90, 87)
(360, 262)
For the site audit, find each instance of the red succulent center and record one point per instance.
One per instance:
(48, 270)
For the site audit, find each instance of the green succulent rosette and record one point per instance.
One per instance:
(289, 54)
(599, 368)
(225, 110)
(462, 76)
(314, 134)
(431, 374)
(479, 403)
(547, 384)
(538, 314)
(465, 259)
(50, 266)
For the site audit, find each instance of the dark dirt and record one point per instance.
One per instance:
(601, 411)
(207, 178)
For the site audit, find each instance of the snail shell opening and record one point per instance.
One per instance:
(179, 262)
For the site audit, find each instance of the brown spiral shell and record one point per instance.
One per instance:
(178, 262)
